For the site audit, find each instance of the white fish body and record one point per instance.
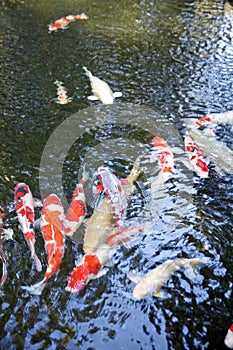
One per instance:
(101, 223)
(228, 341)
(101, 90)
(155, 279)
(218, 151)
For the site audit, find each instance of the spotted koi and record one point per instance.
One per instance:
(52, 228)
(24, 205)
(195, 156)
(77, 209)
(112, 187)
(62, 93)
(62, 23)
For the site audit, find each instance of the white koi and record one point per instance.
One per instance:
(155, 279)
(101, 89)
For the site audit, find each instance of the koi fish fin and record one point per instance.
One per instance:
(4, 273)
(34, 256)
(101, 273)
(7, 234)
(35, 289)
(87, 72)
(92, 98)
(134, 277)
(159, 294)
(83, 16)
(37, 203)
(37, 223)
(117, 94)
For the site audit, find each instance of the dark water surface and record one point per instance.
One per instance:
(171, 60)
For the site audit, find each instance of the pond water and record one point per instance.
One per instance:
(171, 60)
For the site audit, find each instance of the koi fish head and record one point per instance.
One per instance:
(78, 279)
(20, 191)
(158, 142)
(81, 274)
(53, 211)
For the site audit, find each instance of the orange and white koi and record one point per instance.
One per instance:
(228, 341)
(92, 265)
(62, 23)
(112, 187)
(166, 161)
(24, 205)
(52, 227)
(195, 156)
(62, 98)
(216, 118)
(77, 209)
(101, 90)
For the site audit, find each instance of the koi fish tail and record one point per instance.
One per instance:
(37, 288)
(4, 266)
(4, 274)
(34, 256)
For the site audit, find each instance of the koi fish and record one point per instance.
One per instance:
(216, 118)
(155, 279)
(101, 90)
(101, 223)
(63, 22)
(166, 161)
(24, 205)
(90, 267)
(62, 93)
(52, 228)
(112, 187)
(195, 156)
(218, 151)
(228, 341)
(77, 209)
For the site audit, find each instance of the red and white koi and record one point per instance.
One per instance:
(166, 161)
(228, 341)
(24, 205)
(112, 187)
(62, 98)
(62, 23)
(101, 90)
(52, 227)
(195, 156)
(77, 209)
(216, 118)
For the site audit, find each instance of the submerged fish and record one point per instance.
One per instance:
(62, 23)
(216, 118)
(155, 279)
(101, 223)
(77, 209)
(24, 205)
(101, 89)
(218, 151)
(62, 97)
(90, 267)
(166, 161)
(112, 187)
(52, 227)
(195, 156)
(228, 341)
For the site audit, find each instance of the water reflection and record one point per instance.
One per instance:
(175, 57)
